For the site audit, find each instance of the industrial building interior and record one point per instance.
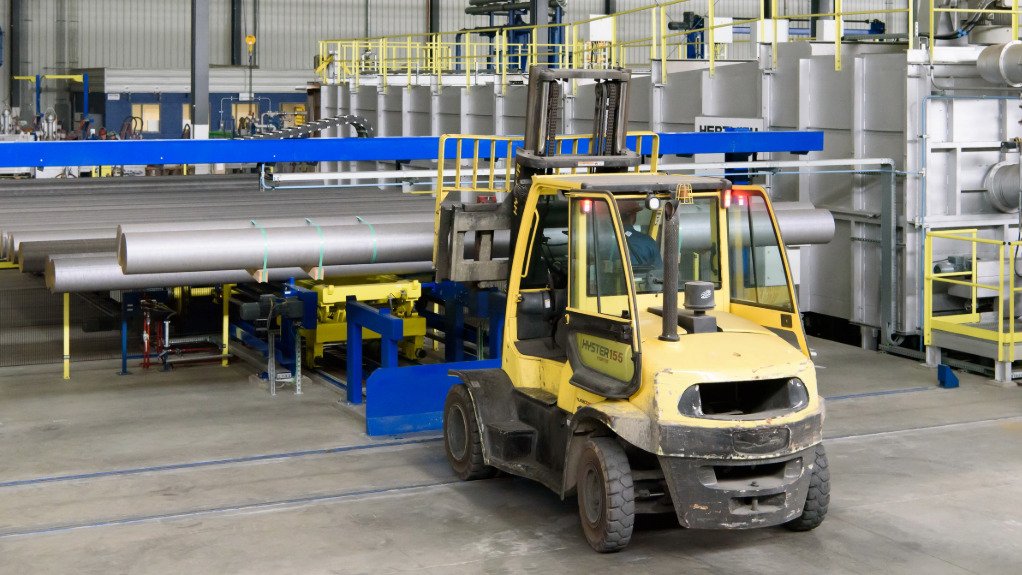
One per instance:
(502, 286)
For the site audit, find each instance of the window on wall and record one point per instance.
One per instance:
(241, 110)
(149, 114)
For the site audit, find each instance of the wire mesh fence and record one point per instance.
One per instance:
(31, 324)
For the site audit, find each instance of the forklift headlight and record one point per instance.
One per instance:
(691, 403)
(798, 395)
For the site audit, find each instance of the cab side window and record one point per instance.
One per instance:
(598, 283)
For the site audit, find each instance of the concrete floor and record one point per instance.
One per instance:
(200, 471)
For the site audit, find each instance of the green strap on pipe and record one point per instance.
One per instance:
(373, 232)
(322, 245)
(266, 250)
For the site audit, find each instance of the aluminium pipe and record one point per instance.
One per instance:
(371, 218)
(10, 249)
(224, 201)
(13, 235)
(32, 256)
(102, 273)
(252, 247)
(798, 224)
(260, 247)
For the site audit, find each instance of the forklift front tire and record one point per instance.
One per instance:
(818, 500)
(462, 440)
(606, 497)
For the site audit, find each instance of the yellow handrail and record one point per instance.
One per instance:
(637, 37)
(971, 324)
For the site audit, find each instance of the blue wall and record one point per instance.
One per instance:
(115, 112)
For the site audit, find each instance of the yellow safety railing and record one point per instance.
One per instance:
(972, 323)
(630, 39)
(991, 10)
(489, 168)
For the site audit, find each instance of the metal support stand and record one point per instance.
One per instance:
(294, 377)
(124, 336)
(67, 336)
(391, 329)
(1002, 372)
(933, 356)
(226, 335)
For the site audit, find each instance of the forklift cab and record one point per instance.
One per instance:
(591, 270)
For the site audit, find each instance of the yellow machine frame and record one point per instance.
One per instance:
(332, 327)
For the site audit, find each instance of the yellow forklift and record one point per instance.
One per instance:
(653, 357)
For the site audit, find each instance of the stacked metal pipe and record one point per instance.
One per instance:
(71, 230)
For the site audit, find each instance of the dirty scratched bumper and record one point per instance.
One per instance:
(739, 478)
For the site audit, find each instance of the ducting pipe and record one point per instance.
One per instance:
(102, 273)
(1003, 187)
(1001, 64)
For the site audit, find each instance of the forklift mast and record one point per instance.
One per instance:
(474, 226)
(542, 152)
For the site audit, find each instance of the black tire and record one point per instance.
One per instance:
(462, 441)
(815, 509)
(606, 498)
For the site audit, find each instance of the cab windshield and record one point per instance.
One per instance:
(598, 274)
(699, 251)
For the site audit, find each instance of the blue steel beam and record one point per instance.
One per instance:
(145, 152)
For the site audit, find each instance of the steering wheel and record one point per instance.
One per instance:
(557, 275)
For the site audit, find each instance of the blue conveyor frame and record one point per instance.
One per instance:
(161, 152)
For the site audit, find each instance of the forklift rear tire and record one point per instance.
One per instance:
(606, 498)
(462, 440)
(815, 509)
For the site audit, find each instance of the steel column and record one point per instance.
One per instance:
(15, 56)
(433, 16)
(236, 39)
(199, 72)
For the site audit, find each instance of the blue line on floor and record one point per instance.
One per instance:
(876, 393)
(212, 462)
(281, 503)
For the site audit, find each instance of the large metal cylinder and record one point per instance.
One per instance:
(32, 256)
(1001, 63)
(103, 273)
(800, 224)
(258, 247)
(1003, 187)
(396, 217)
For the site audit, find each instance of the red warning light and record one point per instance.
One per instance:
(587, 206)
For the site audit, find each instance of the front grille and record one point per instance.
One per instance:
(744, 399)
